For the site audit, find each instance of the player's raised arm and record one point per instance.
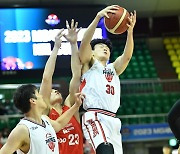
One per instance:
(75, 61)
(18, 137)
(46, 84)
(122, 61)
(85, 48)
(62, 121)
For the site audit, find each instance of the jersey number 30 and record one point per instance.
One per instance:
(109, 89)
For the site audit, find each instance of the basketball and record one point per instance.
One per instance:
(117, 22)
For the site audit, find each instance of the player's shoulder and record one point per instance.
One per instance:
(21, 127)
(20, 131)
(88, 65)
(110, 65)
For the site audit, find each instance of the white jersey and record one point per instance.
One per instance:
(101, 85)
(43, 138)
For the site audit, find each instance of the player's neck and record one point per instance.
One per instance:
(34, 117)
(58, 108)
(104, 63)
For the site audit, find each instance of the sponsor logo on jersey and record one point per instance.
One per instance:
(65, 131)
(50, 141)
(34, 128)
(108, 74)
(68, 128)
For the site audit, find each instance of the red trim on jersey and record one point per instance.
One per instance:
(103, 112)
(88, 132)
(82, 85)
(103, 134)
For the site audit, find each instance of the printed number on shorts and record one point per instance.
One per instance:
(73, 139)
(109, 89)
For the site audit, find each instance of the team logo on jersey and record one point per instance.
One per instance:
(108, 74)
(94, 127)
(50, 141)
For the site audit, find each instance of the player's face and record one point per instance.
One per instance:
(40, 100)
(56, 97)
(101, 51)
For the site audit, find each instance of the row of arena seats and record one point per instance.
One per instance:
(141, 64)
(146, 104)
(144, 120)
(172, 46)
(6, 94)
(9, 123)
(131, 104)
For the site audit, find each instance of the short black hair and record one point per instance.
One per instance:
(22, 96)
(104, 41)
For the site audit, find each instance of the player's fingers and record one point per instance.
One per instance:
(130, 20)
(67, 25)
(72, 23)
(112, 11)
(79, 30)
(76, 24)
(134, 15)
(65, 36)
(128, 25)
(77, 95)
(116, 7)
(60, 34)
(106, 15)
(82, 97)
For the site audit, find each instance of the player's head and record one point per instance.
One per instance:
(101, 48)
(56, 97)
(27, 95)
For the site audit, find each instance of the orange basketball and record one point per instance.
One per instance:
(117, 22)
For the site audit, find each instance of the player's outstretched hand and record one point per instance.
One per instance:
(79, 98)
(72, 31)
(108, 9)
(58, 39)
(132, 21)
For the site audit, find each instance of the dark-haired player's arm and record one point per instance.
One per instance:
(85, 48)
(17, 139)
(46, 84)
(122, 61)
(62, 121)
(75, 64)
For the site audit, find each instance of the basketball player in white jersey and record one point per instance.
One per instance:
(101, 85)
(35, 133)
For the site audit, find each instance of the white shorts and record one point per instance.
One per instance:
(101, 126)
